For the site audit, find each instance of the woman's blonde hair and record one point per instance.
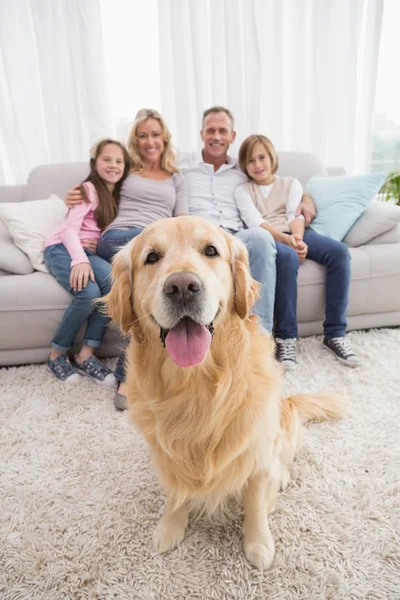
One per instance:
(247, 147)
(168, 157)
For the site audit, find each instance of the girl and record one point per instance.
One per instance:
(153, 190)
(272, 202)
(79, 270)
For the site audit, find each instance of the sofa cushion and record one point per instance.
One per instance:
(55, 179)
(375, 275)
(377, 218)
(341, 200)
(12, 259)
(31, 308)
(29, 223)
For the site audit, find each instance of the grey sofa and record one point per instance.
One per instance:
(32, 304)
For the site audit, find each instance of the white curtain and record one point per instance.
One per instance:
(53, 103)
(301, 72)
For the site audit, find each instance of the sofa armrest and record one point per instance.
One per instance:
(377, 220)
(12, 193)
(389, 237)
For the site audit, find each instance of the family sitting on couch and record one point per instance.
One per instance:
(126, 191)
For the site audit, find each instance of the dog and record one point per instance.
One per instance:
(204, 387)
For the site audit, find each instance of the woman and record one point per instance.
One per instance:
(154, 189)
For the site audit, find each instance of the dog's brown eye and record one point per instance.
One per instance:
(152, 258)
(210, 251)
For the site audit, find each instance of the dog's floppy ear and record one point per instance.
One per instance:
(119, 302)
(246, 288)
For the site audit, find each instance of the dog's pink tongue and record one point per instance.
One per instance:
(188, 343)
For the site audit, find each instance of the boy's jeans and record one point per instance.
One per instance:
(325, 251)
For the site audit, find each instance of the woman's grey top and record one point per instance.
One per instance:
(143, 201)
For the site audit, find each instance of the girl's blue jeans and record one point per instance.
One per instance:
(82, 307)
(335, 257)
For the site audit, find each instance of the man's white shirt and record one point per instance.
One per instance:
(211, 194)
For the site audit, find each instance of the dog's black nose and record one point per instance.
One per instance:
(182, 286)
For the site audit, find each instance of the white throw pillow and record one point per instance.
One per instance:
(31, 222)
(12, 259)
(377, 218)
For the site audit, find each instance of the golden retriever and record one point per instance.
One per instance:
(204, 386)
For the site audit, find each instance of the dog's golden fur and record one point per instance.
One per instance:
(219, 428)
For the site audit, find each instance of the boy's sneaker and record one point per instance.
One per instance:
(97, 371)
(286, 353)
(63, 370)
(341, 348)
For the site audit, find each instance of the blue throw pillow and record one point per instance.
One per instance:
(340, 201)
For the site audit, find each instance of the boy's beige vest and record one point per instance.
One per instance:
(273, 208)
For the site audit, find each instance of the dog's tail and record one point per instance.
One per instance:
(318, 407)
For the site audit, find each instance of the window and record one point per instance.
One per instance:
(386, 122)
(131, 48)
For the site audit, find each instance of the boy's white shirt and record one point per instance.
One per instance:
(250, 215)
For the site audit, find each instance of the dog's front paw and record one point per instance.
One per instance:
(259, 553)
(167, 535)
(285, 480)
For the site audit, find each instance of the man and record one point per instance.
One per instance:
(212, 176)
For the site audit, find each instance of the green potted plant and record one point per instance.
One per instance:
(390, 191)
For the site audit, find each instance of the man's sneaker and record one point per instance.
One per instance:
(63, 370)
(286, 353)
(341, 348)
(97, 371)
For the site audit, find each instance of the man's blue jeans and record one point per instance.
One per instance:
(325, 251)
(262, 254)
(113, 240)
(82, 307)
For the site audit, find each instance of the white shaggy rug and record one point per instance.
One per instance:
(79, 502)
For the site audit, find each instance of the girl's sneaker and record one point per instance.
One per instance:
(63, 370)
(97, 371)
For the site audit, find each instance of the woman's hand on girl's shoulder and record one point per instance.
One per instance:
(80, 275)
(73, 197)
